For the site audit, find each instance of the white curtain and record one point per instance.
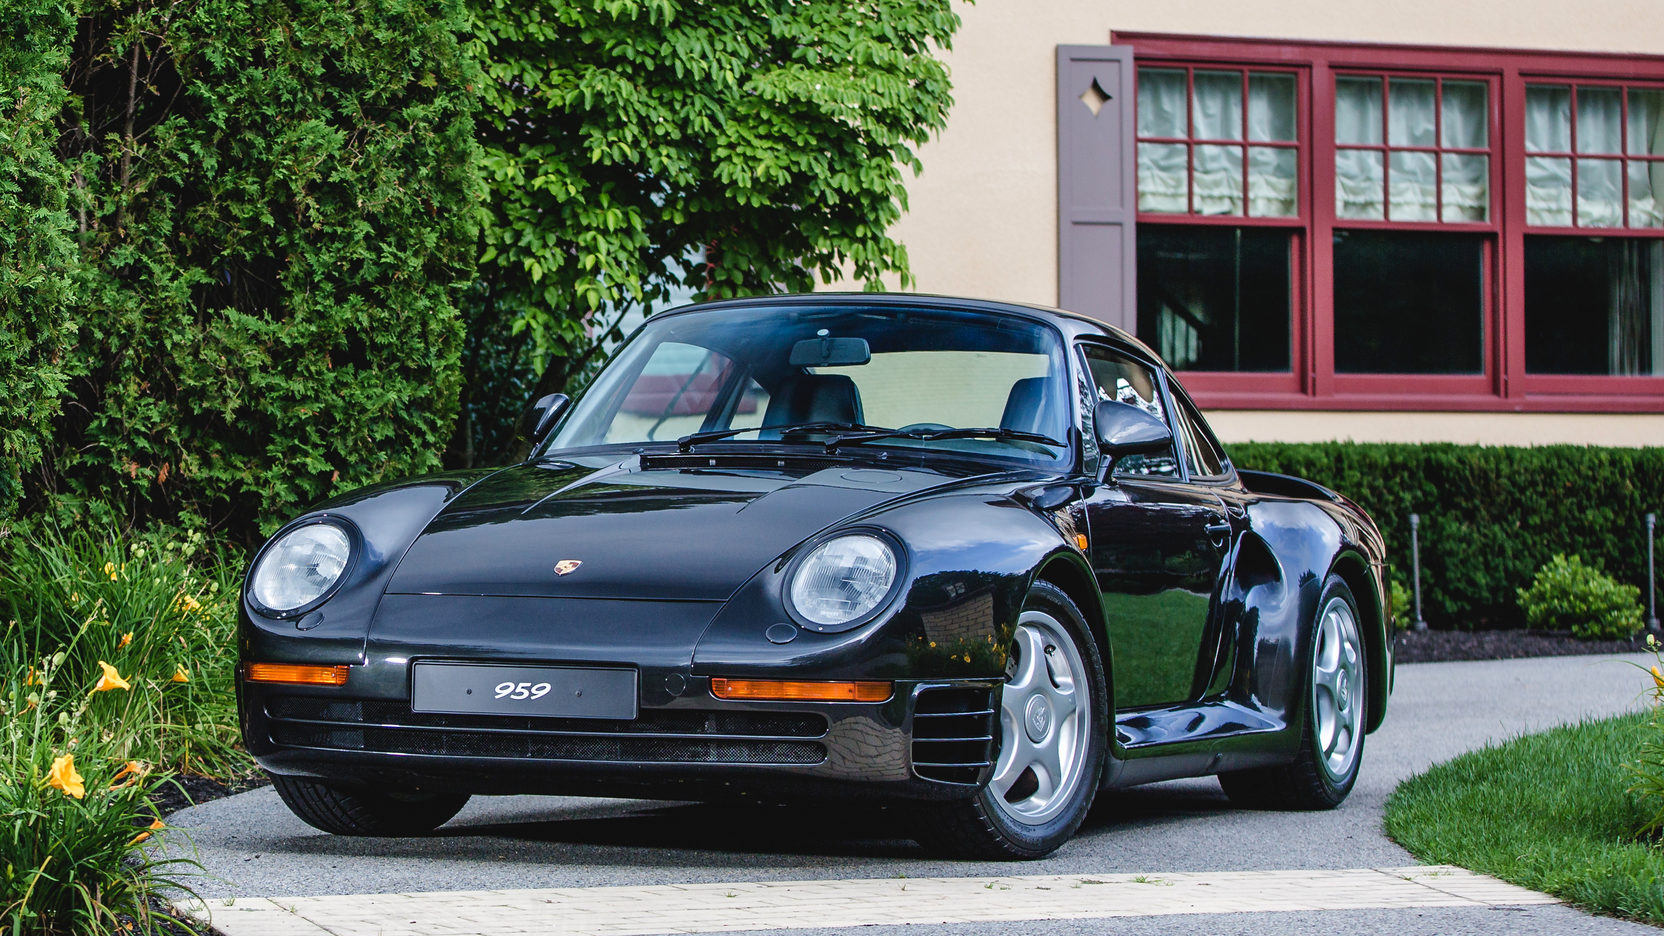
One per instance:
(1635, 306)
(1215, 113)
(1414, 118)
(1599, 161)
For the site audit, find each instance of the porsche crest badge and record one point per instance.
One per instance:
(566, 566)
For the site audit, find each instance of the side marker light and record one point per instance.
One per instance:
(296, 675)
(781, 690)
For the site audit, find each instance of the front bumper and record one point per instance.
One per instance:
(933, 739)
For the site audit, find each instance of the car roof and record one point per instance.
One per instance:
(1072, 324)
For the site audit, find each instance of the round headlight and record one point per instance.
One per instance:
(843, 579)
(301, 567)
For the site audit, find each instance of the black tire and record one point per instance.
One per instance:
(984, 827)
(343, 811)
(1309, 782)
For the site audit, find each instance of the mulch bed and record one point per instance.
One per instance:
(1439, 646)
(183, 791)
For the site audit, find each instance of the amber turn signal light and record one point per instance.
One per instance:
(297, 675)
(785, 690)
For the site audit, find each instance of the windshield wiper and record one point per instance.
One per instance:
(932, 435)
(687, 442)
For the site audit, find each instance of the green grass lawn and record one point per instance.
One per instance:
(1551, 812)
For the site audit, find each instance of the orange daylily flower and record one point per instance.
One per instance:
(1657, 678)
(110, 680)
(126, 639)
(64, 777)
(179, 675)
(133, 770)
(29, 678)
(158, 824)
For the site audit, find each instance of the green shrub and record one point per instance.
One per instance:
(270, 236)
(1490, 515)
(1568, 595)
(159, 611)
(37, 281)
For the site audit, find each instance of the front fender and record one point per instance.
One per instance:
(388, 518)
(970, 558)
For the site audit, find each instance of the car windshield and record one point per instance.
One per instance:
(753, 374)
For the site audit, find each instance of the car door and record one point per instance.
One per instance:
(1158, 546)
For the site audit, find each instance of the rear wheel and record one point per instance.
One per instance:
(344, 811)
(1332, 732)
(1053, 731)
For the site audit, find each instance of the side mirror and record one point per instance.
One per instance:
(541, 416)
(1124, 429)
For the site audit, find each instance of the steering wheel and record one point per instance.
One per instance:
(924, 427)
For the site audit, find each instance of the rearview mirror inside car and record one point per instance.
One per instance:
(830, 352)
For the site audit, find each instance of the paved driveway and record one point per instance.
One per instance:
(253, 847)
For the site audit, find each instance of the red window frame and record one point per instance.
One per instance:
(1276, 383)
(1504, 384)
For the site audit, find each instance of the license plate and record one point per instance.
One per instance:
(547, 691)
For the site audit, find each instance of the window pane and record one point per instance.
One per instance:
(1410, 117)
(1271, 108)
(1599, 193)
(1217, 107)
(1161, 101)
(1358, 110)
(1466, 187)
(1594, 305)
(1273, 191)
(1203, 455)
(1359, 177)
(1124, 380)
(1163, 178)
(1646, 122)
(1409, 303)
(1548, 191)
(1646, 192)
(1599, 120)
(1414, 187)
(1548, 119)
(1465, 116)
(1215, 298)
(1218, 180)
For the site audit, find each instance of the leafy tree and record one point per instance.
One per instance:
(722, 146)
(274, 202)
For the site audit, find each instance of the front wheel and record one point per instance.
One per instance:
(1053, 727)
(342, 811)
(1332, 732)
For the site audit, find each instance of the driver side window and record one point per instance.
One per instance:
(1118, 377)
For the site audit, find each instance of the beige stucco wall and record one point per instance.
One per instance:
(983, 219)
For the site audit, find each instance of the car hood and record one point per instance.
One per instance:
(672, 528)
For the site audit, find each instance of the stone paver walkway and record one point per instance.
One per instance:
(775, 905)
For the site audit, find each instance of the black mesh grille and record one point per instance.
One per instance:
(398, 714)
(953, 734)
(632, 749)
(655, 737)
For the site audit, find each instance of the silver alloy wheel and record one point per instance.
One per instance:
(1337, 688)
(1045, 722)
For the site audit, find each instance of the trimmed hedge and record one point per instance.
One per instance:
(1491, 516)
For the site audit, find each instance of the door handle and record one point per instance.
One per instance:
(1220, 533)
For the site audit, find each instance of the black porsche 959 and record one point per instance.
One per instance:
(977, 560)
